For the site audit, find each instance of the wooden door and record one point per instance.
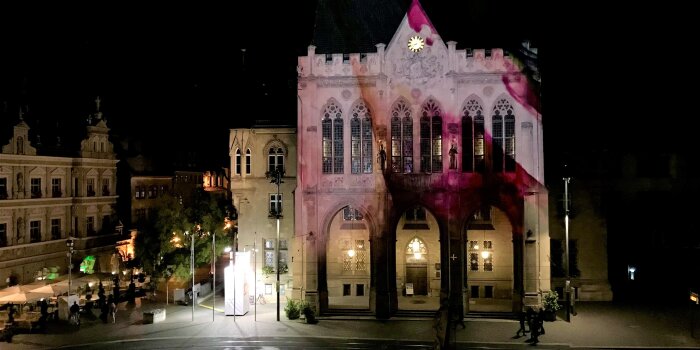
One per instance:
(418, 275)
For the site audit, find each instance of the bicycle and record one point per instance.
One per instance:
(261, 299)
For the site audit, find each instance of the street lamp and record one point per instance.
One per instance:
(567, 287)
(276, 178)
(198, 232)
(70, 243)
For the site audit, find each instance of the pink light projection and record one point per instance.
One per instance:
(520, 88)
(417, 20)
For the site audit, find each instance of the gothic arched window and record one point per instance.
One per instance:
(472, 137)
(332, 133)
(401, 138)
(431, 137)
(237, 164)
(247, 161)
(503, 136)
(361, 139)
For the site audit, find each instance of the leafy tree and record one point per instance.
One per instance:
(164, 242)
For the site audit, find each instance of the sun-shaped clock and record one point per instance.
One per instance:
(416, 43)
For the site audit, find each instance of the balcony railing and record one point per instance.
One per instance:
(36, 194)
(105, 191)
(56, 194)
(91, 193)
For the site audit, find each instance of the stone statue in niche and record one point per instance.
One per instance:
(381, 158)
(20, 231)
(453, 157)
(20, 182)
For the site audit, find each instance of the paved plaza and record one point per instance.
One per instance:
(597, 325)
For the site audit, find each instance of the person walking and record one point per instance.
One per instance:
(522, 317)
(75, 313)
(112, 309)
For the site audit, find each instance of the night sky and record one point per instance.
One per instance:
(155, 65)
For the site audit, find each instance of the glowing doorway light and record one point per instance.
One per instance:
(417, 248)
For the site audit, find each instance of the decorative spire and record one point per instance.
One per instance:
(21, 115)
(98, 114)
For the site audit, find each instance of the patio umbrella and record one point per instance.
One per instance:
(34, 296)
(53, 289)
(10, 290)
(17, 298)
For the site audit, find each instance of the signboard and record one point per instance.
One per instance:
(694, 298)
(409, 288)
(88, 265)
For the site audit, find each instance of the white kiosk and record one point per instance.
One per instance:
(236, 285)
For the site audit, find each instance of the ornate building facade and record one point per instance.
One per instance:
(46, 199)
(420, 178)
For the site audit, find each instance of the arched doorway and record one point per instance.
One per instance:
(489, 261)
(418, 270)
(348, 260)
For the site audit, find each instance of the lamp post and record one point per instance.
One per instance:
(70, 243)
(197, 231)
(567, 287)
(276, 176)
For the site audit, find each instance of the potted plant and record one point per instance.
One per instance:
(550, 303)
(308, 312)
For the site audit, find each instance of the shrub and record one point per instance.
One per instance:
(293, 309)
(309, 313)
(268, 270)
(550, 301)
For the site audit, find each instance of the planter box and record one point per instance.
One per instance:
(154, 316)
(549, 316)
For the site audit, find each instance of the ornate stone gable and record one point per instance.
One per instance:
(424, 67)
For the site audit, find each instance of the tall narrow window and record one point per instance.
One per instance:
(238, 162)
(55, 187)
(91, 187)
(247, 161)
(35, 231)
(503, 136)
(332, 132)
(105, 187)
(55, 228)
(3, 188)
(36, 187)
(3, 235)
(275, 204)
(361, 139)
(431, 137)
(472, 137)
(275, 159)
(401, 137)
(90, 225)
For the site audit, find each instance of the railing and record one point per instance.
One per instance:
(36, 194)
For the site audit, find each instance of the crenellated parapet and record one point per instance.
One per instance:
(464, 61)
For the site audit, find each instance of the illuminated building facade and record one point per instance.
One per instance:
(47, 198)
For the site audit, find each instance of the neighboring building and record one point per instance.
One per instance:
(254, 153)
(46, 199)
(145, 192)
(421, 174)
(588, 230)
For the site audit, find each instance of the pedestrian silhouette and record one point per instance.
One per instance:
(522, 318)
(112, 309)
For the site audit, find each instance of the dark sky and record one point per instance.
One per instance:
(154, 65)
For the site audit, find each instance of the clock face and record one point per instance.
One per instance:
(416, 43)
